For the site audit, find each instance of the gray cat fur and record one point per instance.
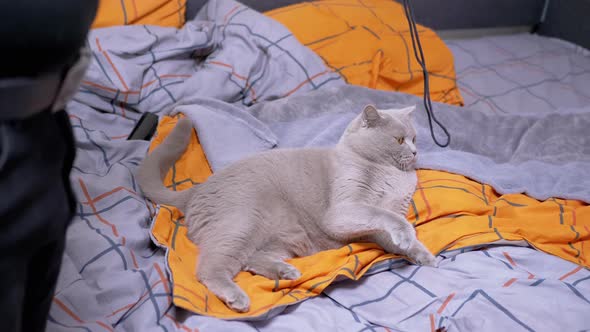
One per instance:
(284, 203)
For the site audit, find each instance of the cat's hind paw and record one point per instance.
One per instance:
(272, 269)
(289, 272)
(239, 303)
(421, 255)
(425, 259)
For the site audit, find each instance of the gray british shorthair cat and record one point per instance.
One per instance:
(262, 210)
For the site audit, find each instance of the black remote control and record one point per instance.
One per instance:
(145, 127)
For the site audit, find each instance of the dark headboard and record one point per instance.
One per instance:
(439, 14)
(568, 19)
(474, 14)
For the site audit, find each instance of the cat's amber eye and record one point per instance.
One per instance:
(401, 140)
(414, 140)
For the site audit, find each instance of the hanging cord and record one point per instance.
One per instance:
(537, 25)
(419, 55)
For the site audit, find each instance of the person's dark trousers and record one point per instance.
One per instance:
(36, 204)
(37, 38)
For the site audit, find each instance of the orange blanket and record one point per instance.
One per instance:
(449, 211)
(369, 44)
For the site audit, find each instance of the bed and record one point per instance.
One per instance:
(507, 260)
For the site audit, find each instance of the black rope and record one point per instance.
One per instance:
(419, 55)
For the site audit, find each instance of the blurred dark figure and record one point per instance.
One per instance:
(42, 60)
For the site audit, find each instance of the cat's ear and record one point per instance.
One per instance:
(406, 111)
(370, 116)
(400, 112)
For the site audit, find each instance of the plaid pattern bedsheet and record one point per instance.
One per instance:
(115, 279)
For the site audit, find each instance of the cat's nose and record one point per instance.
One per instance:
(414, 152)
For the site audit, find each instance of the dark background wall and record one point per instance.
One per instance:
(569, 20)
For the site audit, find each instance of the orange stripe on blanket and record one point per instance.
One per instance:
(164, 281)
(226, 17)
(572, 272)
(513, 263)
(108, 193)
(305, 82)
(106, 55)
(67, 310)
(509, 282)
(108, 328)
(106, 88)
(121, 104)
(432, 323)
(164, 76)
(131, 305)
(444, 305)
(119, 136)
(145, 85)
(509, 258)
(133, 259)
(243, 78)
(98, 216)
(123, 243)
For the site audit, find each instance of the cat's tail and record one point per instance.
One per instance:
(152, 171)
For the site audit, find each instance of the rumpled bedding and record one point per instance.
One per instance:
(499, 149)
(115, 278)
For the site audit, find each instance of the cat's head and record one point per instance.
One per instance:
(383, 136)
